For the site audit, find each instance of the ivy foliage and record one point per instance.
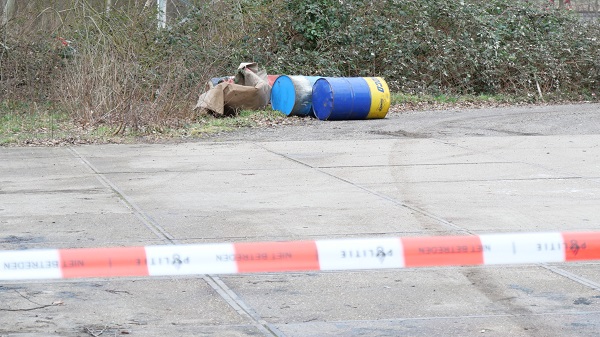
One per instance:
(430, 46)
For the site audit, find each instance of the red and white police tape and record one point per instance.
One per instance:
(339, 254)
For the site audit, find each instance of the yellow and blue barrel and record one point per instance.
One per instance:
(292, 95)
(343, 98)
(380, 97)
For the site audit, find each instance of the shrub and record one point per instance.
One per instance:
(120, 70)
(437, 46)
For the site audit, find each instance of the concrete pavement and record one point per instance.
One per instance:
(387, 183)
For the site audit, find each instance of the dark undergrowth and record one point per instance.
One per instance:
(71, 65)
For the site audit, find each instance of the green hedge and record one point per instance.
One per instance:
(431, 46)
(121, 69)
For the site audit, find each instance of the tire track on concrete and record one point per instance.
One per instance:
(521, 315)
(445, 223)
(571, 175)
(214, 282)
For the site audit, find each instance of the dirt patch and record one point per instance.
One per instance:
(262, 127)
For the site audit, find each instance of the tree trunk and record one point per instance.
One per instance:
(7, 12)
(162, 14)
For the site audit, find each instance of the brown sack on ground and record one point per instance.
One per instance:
(225, 97)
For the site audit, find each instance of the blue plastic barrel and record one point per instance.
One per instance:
(341, 98)
(292, 95)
